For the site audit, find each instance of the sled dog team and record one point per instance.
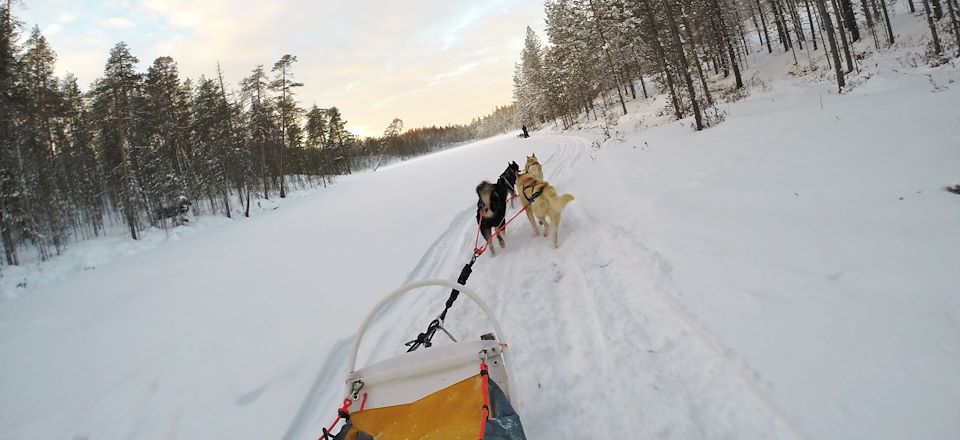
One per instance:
(539, 197)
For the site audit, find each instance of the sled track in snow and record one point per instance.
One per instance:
(595, 334)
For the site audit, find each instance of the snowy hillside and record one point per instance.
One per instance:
(789, 273)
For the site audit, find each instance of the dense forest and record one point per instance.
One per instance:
(137, 147)
(609, 51)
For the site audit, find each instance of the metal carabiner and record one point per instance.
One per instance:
(355, 389)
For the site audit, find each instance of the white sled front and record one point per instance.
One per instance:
(460, 390)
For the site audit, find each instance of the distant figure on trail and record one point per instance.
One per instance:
(525, 133)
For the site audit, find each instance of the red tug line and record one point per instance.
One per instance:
(478, 251)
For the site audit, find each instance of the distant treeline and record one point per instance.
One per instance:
(135, 145)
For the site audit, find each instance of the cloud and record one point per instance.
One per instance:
(117, 23)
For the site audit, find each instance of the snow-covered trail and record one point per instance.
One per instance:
(599, 348)
(221, 334)
(446, 254)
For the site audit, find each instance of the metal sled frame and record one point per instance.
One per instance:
(409, 376)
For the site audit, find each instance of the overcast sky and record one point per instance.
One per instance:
(424, 61)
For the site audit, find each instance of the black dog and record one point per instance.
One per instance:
(507, 182)
(492, 203)
(491, 210)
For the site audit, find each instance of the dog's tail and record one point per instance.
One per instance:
(564, 199)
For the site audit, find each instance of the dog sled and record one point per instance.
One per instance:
(460, 390)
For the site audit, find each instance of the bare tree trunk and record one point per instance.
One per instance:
(849, 19)
(626, 79)
(283, 130)
(128, 209)
(246, 212)
(696, 57)
(9, 246)
(955, 22)
(843, 36)
(223, 148)
(725, 33)
(821, 5)
(683, 63)
(781, 26)
(823, 40)
(763, 21)
(719, 41)
(886, 19)
(813, 32)
(937, 9)
(913, 9)
(662, 56)
(866, 13)
(766, 35)
(263, 170)
(586, 107)
(643, 85)
(674, 97)
(740, 33)
(797, 24)
(743, 42)
(933, 27)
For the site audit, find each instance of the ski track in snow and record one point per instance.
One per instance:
(589, 324)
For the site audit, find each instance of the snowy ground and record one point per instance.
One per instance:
(790, 273)
(89, 254)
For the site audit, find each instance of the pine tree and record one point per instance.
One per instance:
(114, 96)
(597, 22)
(286, 105)
(81, 167)
(10, 163)
(316, 138)
(530, 94)
(43, 200)
(259, 121)
(338, 138)
(162, 149)
(213, 139)
(391, 137)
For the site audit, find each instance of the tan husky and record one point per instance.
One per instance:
(545, 204)
(533, 167)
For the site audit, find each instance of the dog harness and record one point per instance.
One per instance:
(537, 187)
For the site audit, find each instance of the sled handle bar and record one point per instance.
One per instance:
(428, 283)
